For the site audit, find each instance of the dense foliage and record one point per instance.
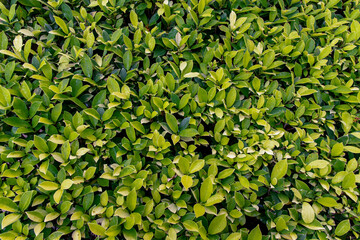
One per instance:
(209, 119)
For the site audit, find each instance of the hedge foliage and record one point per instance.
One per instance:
(209, 119)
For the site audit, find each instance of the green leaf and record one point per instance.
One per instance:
(61, 24)
(128, 42)
(152, 43)
(35, 216)
(128, 58)
(3, 41)
(56, 111)
(170, 82)
(343, 227)
(65, 150)
(318, 164)
(217, 225)
(134, 18)
(201, 6)
(186, 181)
(189, 132)
(97, 229)
(113, 85)
(66, 184)
(281, 224)
(191, 226)
(49, 186)
(88, 201)
(231, 97)
(93, 113)
(328, 202)
(20, 108)
(202, 94)
(347, 122)
(10, 219)
(279, 169)
(131, 200)
(219, 126)
(199, 210)
(206, 189)
(90, 39)
(184, 101)
(307, 212)
(89, 173)
(8, 205)
(349, 181)
(40, 144)
(18, 43)
(87, 66)
(16, 122)
(234, 236)
(255, 234)
(324, 52)
(5, 97)
(196, 165)
(66, 11)
(337, 149)
(352, 149)
(171, 122)
(269, 58)
(25, 200)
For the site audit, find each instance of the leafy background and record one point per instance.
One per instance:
(207, 119)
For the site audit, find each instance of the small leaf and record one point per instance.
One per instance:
(349, 181)
(255, 234)
(88, 201)
(16, 122)
(206, 189)
(190, 132)
(128, 58)
(171, 122)
(279, 169)
(343, 227)
(10, 219)
(3, 41)
(152, 43)
(93, 113)
(219, 126)
(87, 66)
(8, 205)
(18, 43)
(327, 202)
(218, 224)
(170, 82)
(199, 210)
(89, 173)
(324, 52)
(269, 58)
(307, 212)
(134, 18)
(197, 165)
(191, 226)
(61, 24)
(186, 181)
(25, 200)
(337, 149)
(56, 111)
(131, 200)
(40, 144)
(49, 186)
(231, 97)
(96, 229)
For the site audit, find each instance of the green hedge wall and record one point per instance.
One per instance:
(196, 119)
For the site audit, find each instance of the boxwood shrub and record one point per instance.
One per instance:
(179, 119)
